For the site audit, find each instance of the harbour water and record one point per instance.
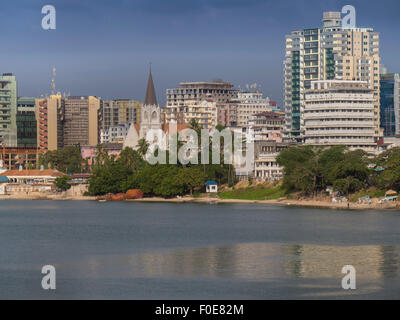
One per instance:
(121, 250)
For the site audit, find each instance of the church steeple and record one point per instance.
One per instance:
(151, 99)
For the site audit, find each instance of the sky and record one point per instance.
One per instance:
(104, 48)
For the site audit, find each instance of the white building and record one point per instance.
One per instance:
(266, 167)
(114, 134)
(150, 120)
(332, 51)
(211, 186)
(341, 112)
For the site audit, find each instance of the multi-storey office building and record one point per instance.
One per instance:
(390, 104)
(250, 103)
(341, 112)
(82, 119)
(221, 92)
(330, 52)
(26, 122)
(49, 114)
(115, 112)
(8, 109)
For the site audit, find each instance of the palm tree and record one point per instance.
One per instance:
(143, 147)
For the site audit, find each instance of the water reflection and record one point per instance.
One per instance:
(251, 261)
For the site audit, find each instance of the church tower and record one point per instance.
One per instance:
(150, 114)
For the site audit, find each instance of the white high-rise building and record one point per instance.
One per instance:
(327, 53)
(340, 112)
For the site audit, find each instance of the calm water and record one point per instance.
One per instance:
(195, 251)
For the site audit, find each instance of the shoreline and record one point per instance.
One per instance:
(282, 202)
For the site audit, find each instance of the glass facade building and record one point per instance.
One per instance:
(389, 103)
(8, 110)
(26, 123)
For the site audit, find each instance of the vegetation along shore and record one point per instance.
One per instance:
(313, 176)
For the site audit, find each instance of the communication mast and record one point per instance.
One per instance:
(53, 82)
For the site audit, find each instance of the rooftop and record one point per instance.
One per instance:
(33, 173)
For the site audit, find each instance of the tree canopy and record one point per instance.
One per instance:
(67, 160)
(311, 169)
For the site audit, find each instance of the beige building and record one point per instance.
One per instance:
(327, 53)
(82, 121)
(50, 119)
(250, 103)
(204, 113)
(341, 112)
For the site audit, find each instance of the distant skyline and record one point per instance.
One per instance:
(104, 48)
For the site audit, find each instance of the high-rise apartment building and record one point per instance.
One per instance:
(390, 104)
(82, 118)
(50, 123)
(8, 110)
(210, 103)
(250, 103)
(341, 112)
(203, 112)
(26, 122)
(116, 112)
(327, 53)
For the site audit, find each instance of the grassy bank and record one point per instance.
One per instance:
(260, 192)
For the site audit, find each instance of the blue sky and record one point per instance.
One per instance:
(103, 48)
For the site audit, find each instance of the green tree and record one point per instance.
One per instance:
(301, 169)
(109, 178)
(62, 183)
(67, 160)
(191, 178)
(131, 159)
(143, 147)
(390, 177)
(348, 185)
(194, 125)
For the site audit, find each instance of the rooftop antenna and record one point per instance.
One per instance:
(53, 81)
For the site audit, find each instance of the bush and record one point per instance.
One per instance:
(62, 183)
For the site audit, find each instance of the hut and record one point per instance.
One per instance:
(211, 186)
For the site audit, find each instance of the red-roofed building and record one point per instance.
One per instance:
(36, 176)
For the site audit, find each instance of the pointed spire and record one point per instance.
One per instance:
(151, 98)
